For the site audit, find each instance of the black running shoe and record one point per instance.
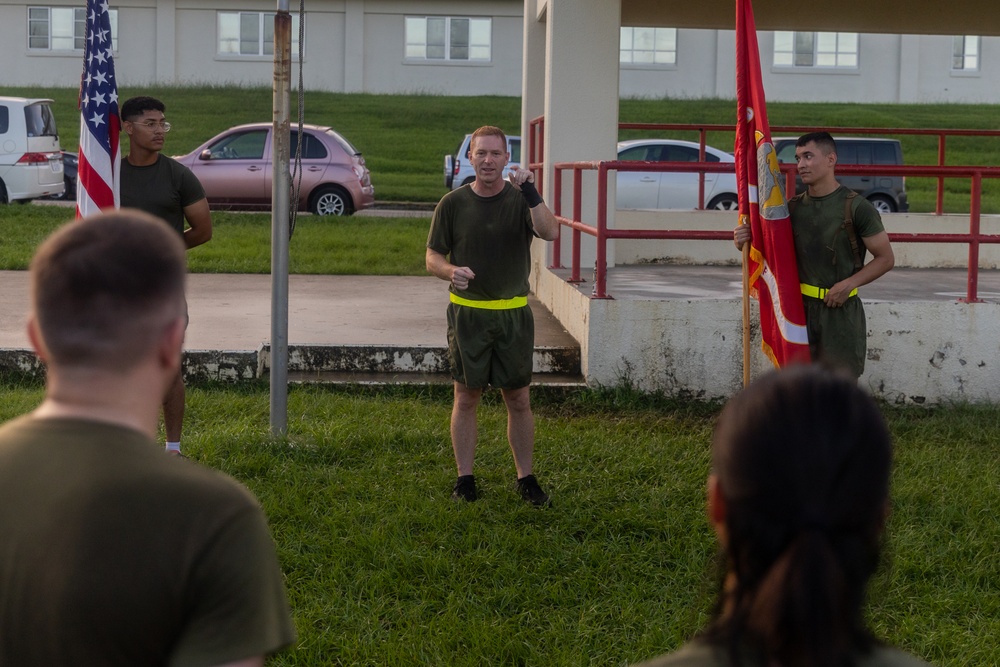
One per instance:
(465, 488)
(531, 492)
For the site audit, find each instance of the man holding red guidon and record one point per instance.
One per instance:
(805, 257)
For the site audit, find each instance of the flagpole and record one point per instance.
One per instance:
(280, 194)
(746, 314)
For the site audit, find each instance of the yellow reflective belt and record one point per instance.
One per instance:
(498, 304)
(820, 292)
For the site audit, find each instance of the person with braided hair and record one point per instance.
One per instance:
(798, 497)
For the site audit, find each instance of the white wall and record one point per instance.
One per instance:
(175, 42)
(357, 46)
(893, 69)
(693, 76)
(918, 351)
(386, 71)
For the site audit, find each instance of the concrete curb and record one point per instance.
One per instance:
(330, 363)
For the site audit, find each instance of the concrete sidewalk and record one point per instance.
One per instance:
(233, 312)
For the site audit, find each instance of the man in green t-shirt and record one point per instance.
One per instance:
(112, 553)
(480, 242)
(163, 187)
(830, 266)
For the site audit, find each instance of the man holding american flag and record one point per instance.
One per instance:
(163, 187)
(147, 181)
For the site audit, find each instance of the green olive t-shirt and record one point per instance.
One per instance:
(162, 189)
(490, 235)
(115, 553)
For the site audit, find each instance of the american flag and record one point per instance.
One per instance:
(100, 123)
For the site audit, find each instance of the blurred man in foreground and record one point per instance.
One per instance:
(112, 553)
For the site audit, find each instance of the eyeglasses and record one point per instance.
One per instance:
(152, 125)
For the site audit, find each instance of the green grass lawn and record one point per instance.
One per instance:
(383, 569)
(404, 138)
(241, 242)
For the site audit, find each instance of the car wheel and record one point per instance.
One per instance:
(3, 193)
(727, 202)
(68, 191)
(470, 179)
(882, 204)
(331, 200)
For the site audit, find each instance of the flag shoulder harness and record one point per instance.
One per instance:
(857, 243)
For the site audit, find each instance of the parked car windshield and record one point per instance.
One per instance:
(240, 146)
(664, 153)
(39, 121)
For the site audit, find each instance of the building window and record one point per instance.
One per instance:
(251, 34)
(62, 28)
(835, 50)
(965, 53)
(445, 38)
(648, 46)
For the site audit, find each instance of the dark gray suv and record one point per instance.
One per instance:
(887, 193)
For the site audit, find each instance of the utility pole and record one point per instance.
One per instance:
(280, 189)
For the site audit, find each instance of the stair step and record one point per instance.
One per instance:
(384, 379)
(341, 364)
(366, 364)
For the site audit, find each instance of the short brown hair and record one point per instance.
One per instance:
(824, 142)
(488, 131)
(136, 106)
(103, 288)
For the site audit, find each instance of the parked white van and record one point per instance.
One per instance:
(31, 164)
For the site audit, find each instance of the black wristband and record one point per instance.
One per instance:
(531, 194)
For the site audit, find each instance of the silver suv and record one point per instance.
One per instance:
(458, 170)
(887, 193)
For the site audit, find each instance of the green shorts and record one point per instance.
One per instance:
(837, 336)
(491, 347)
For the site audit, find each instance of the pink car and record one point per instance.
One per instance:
(235, 169)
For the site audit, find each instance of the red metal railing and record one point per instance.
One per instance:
(536, 142)
(602, 233)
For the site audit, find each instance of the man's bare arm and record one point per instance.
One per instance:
(882, 262)
(543, 221)
(199, 219)
(438, 265)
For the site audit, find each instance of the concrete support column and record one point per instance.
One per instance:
(354, 46)
(581, 99)
(166, 40)
(909, 69)
(725, 64)
(533, 76)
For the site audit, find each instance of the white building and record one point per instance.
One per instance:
(475, 47)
